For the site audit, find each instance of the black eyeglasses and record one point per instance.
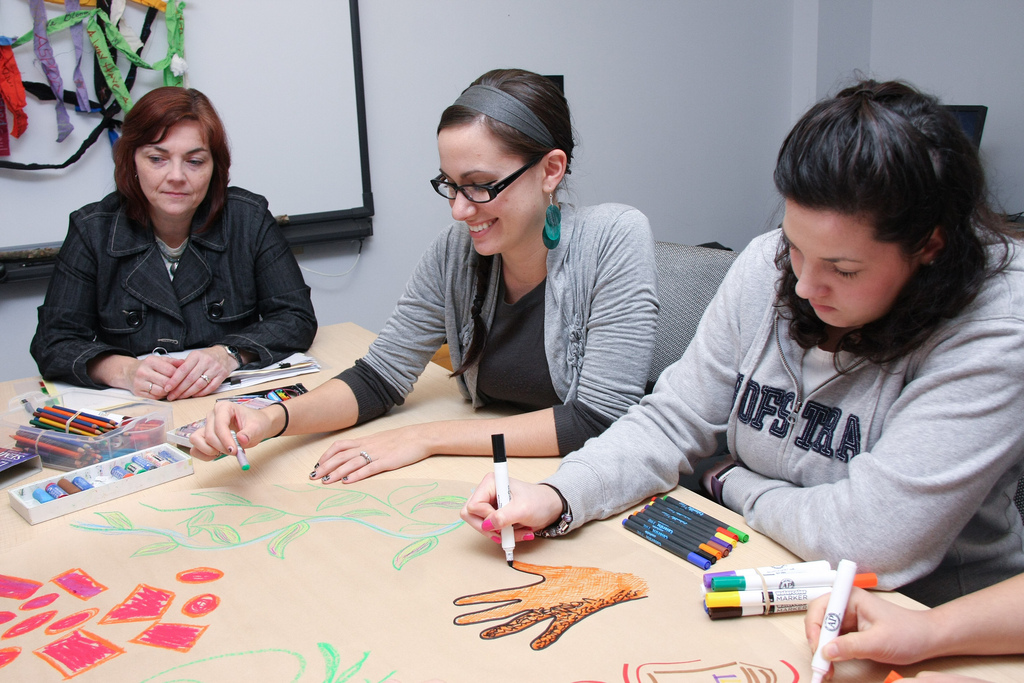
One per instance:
(478, 194)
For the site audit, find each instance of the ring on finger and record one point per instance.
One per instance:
(204, 378)
(366, 457)
(150, 390)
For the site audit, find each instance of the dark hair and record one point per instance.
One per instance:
(894, 156)
(545, 100)
(148, 122)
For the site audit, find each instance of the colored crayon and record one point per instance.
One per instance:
(68, 487)
(98, 419)
(119, 472)
(144, 463)
(65, 420)
(33, 444)
(690, 544)
(678, 552)
(42, 496)
(44, 423)
(81, 483)
(135, 468)
(55, 491)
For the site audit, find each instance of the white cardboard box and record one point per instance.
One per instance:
(105, 486)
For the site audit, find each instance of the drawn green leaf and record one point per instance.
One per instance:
(155, 549)
(222, 534)
(445, 502)
(224, 497)
(284, 537)
(265, 516)
(341, 499)
(413, 550)
(117, 520)
(406, 493)
(331, 660)
(365, 512)
(197, 521)
(348, 673)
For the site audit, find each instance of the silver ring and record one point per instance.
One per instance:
(204, 378)
(366, 456)
(150, 390)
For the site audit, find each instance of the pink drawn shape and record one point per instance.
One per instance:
(145, 602)
(201, 605)
(78, 652)
(41, 601)
(70, 622)
(19, 589)
(8, 655)
(30, 624)
(6, 616)
(79, 584)
(199, 575)
(180, 637)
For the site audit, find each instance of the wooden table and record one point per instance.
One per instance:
(436, 397)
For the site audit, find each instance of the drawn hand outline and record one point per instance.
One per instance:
(565, 595)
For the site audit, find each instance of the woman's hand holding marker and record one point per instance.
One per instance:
(229, 421)
(533, 506)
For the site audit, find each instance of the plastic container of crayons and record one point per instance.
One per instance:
(82, 427)
(78, 489)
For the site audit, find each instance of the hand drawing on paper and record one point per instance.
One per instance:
(565, 595)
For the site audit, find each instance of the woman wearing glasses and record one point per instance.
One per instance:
(545, 306)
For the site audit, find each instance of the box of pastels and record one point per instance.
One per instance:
(82, 427)
(46, 499)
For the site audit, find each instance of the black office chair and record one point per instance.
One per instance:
(1018, 497)
(688, 278)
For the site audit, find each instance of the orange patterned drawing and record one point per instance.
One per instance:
(144, 603)
(199, 575)
(78, 652)
(697, 671)
(564, 595)
(201, 605)
(72, 621)
(79, 584)
(180, 637)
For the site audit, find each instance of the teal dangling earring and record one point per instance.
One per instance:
(552, 224)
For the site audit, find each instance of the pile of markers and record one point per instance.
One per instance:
(685, 531)
(771, 590)
(71, 439)
(139, 463)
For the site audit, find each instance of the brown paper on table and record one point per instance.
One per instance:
(359, 583)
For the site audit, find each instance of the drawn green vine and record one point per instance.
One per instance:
(232, 521)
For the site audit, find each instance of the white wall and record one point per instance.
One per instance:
(680, 107)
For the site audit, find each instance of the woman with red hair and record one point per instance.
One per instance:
(173, 260)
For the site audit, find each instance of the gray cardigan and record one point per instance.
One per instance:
(600, 309)
(908, 470)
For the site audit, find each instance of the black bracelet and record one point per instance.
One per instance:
(285, 409)
(561, 525)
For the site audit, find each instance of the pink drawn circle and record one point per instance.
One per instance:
(200, 605)
(41, 601)
(199, 575)
(30, 624)
(70, 622)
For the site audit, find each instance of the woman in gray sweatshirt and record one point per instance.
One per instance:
(537, 300)
(864, 362)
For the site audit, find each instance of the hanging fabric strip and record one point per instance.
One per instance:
(41, 45)
(5, 142)
(174, 72)
(76, 39)
(111, 73)
(117, 18)
(12, 92)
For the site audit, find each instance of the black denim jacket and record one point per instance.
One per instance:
(237, 283)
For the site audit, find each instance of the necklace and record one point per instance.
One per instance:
(171, 256)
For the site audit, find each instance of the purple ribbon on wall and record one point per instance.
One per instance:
(41, 44)
(77, 34)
